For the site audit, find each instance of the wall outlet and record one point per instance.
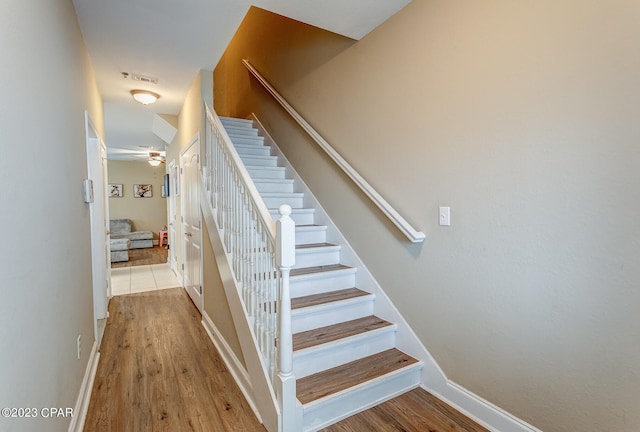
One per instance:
(79, 346)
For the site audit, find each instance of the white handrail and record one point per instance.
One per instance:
(411, 233)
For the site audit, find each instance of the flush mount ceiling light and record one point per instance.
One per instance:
(145, 97)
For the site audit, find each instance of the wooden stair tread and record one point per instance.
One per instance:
(334, 380)
(327, 297)
(318, 269)
(338, 331)
(314, 245)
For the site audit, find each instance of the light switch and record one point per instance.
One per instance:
(444, 216)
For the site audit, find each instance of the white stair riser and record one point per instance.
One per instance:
(318, 283)
(274, 186)
(257, 172)
(240, 139)
(238, 123)
(254, 150)
(312, 318)
(241, 130)
(267, 161)
(326, 411)
(311, 235)
(304, 217)
(309, 361)
(295, 201)
(317, 257)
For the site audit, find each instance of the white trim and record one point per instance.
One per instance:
(82, 403)
(480, 410)
(236, 368)
(193, 294)
(401, 223)
(99, 222)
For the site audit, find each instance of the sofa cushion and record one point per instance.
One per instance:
(138, 235)
(120, 226)
(119, 244)
(140, 244)
(119, 256)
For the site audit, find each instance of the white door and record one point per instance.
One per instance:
(173, 218)
(191, 232)
(99, 217)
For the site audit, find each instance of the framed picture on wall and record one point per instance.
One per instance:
(142, 191)
(115, 190)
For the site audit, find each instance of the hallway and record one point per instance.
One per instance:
(159, 371)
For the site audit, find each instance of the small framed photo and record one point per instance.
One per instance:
(115, 190)
(142, 191)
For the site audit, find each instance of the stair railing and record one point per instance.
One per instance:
(261, 253)
(400, 222)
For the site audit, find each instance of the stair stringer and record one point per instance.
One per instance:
(261, 394)
(432, 376)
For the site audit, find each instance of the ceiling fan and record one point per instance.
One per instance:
(156, 158)
(148, 154)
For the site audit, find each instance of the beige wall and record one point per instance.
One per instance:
(46, 83)
(216, 304)
(147, 214)
(523, 117)
(190, 123)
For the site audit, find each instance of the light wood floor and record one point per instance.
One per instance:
(415, 411)
(144, 256)
(159, 371)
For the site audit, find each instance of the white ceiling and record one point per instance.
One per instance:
(171, 40)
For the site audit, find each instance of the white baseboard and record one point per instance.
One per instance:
(82, 403)
(480, 410)
(231, 361)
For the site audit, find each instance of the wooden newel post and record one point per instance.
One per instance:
(291, 414)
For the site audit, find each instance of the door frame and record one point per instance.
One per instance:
(195, 144)
(99, 224)
(173, 229)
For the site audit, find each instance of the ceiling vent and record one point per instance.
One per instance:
(144, 79)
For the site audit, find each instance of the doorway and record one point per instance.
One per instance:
(191, 221)
(173, 216)
(99, 220)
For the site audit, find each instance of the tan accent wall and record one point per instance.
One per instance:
(523, 117)
(147, 214)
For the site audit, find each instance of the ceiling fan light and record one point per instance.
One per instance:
(145, 97)
(154, 162)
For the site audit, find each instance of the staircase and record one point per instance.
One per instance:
(345, 358)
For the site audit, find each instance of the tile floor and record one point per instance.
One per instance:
(130, 280)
